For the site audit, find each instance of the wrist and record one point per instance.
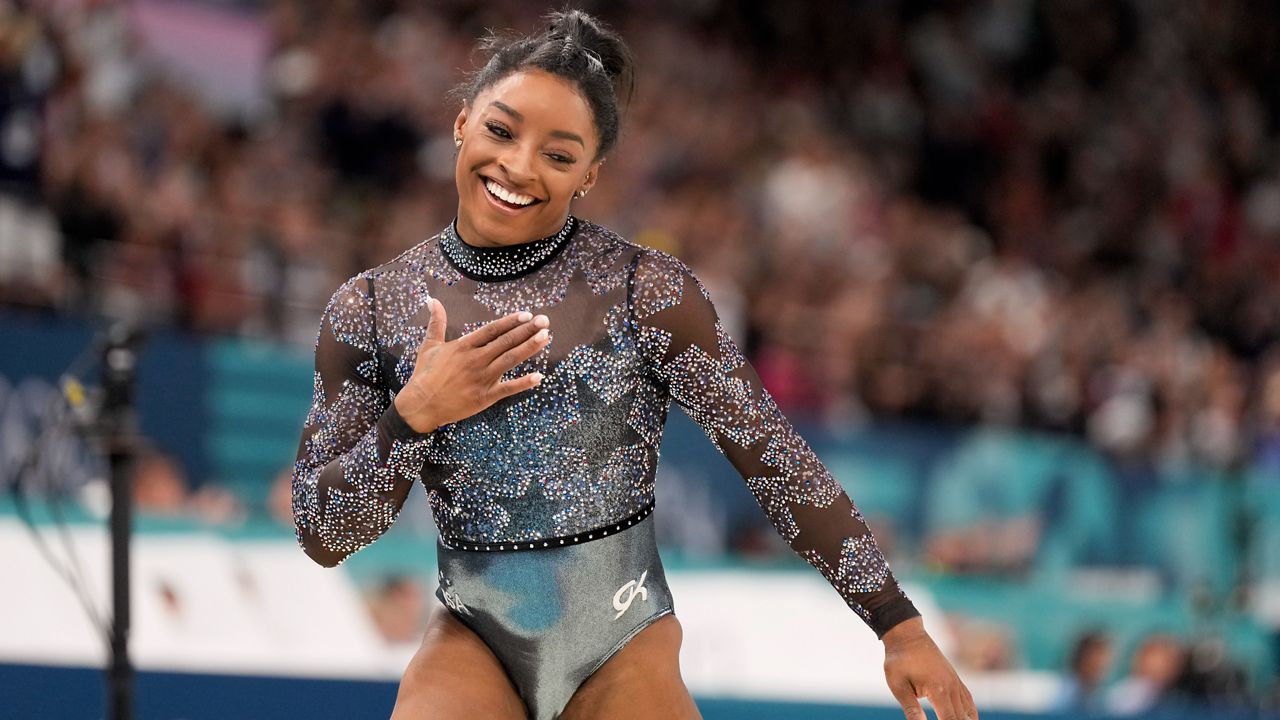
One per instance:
(418, 419)
(908, 632)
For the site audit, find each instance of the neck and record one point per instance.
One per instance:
(503, 262)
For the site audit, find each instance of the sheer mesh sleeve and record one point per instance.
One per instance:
(687, 348)
(357, 458)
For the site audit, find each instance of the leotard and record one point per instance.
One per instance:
(543, 500)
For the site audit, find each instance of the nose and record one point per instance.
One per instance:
(517, 163)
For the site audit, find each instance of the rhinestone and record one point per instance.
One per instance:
(502, 263)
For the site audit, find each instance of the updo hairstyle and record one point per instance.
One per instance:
(576, 47)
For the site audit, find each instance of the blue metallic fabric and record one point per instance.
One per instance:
(553, 616)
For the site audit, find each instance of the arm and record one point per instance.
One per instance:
(360, 452)
(357, 459)
(684, 343)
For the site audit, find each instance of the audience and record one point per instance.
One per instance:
(980, 212)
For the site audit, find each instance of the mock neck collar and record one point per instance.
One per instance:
(506, 262)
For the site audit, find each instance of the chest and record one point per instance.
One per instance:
(587, 328)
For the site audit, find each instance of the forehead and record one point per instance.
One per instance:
(542, 99)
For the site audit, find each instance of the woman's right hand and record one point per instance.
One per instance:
(457, 379)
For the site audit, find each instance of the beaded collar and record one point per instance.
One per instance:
(492, 264)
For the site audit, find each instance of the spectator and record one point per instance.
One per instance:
(1153, 672)
(399, 610)
(1088, 667)
(160, 488)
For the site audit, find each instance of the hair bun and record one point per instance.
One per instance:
(583, 32)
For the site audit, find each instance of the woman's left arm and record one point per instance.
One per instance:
(688, 350)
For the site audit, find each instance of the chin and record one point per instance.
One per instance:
(498, 227)
(504, 230)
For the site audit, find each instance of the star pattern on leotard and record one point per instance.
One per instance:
(548, 457)
(702, 373)
(632, 330)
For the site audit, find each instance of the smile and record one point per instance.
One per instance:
(507, 198)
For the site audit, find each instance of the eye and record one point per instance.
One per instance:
(498, 130)
(561, 158)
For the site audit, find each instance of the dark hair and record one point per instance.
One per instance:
(1088, 642)
(576, 47)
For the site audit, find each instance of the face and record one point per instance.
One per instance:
(528, 144)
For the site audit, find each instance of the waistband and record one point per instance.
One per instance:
(452, 543)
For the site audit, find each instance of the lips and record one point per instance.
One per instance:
(504, 198)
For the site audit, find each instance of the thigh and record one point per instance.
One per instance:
(641, 682)
(455, 676)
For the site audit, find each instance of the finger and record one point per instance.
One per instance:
(511, 340)
(966, 702)
(521, 352)
(906, 697)
(489, 332)
(519, 385)
(944, 706)
(436, 325)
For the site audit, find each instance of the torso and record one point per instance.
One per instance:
(570, 456)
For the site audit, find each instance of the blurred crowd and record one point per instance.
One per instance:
(1163, 672)
(1062, 214)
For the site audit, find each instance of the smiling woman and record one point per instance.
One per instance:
(538, 457)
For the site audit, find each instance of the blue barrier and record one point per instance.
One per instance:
(34, 692)
(171, 378)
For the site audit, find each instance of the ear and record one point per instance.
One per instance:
(460, 122)
(593, 173)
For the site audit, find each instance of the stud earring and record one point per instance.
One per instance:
(580, 194)
(457, 141)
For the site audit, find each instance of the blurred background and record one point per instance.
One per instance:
(1012, 267)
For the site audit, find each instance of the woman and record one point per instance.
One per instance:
(538, 450)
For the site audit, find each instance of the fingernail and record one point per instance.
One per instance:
(542, 335)
(542, 321)
(525, 316)
(537, 378)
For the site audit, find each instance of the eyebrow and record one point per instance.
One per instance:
(563, 134)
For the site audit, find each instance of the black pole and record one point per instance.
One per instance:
(119, 380)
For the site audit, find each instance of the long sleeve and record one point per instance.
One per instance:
(686, 347)
(357, 459)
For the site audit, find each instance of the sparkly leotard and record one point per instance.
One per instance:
(543, 499)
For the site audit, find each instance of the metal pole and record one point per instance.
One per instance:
(119, 370)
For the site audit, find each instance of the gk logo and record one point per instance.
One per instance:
(451, 598)
(632, 589)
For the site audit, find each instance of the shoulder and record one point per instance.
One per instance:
(592, 240)
(649, 266)
(644, 259)
(660, 280)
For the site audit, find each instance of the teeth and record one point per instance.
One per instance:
(507, 195)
